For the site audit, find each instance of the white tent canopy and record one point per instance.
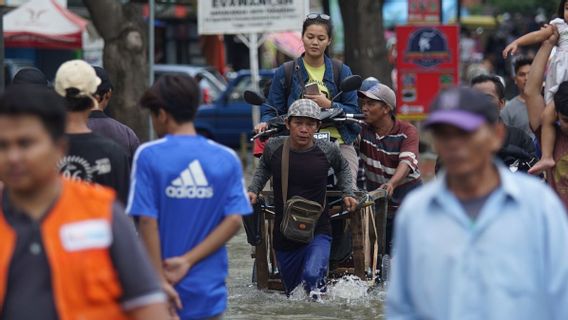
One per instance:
(45, 24)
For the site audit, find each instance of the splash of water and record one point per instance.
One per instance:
(349, 288)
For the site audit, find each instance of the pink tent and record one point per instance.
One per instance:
(289, 43)
(43, 24)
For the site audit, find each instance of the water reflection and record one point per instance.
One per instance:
(346, 298)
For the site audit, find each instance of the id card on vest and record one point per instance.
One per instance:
(89, 234)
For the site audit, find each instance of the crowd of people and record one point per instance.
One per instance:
(481, 241)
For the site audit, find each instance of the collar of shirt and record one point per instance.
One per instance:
(445, 199)
(97, 114)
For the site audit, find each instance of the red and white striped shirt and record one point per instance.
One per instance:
(381, 156)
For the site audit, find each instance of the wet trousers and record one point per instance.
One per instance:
(307, 265)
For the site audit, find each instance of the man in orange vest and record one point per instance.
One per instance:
(68, 251)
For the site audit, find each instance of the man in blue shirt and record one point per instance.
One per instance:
(480, 242)
(189, 194)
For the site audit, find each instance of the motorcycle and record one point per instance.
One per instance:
(329, 117)
(276, 126)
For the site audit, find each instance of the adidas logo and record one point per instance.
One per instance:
(191, 184)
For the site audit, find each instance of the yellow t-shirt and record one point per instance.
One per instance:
(315, 74)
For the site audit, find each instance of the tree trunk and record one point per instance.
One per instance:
(365, 46)
(125, 58)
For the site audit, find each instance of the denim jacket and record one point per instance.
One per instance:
(347, 101)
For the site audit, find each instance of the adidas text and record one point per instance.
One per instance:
(189, 192)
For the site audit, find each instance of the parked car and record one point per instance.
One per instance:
(229, 115)
(211, 81)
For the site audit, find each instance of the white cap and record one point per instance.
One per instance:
(79, 75)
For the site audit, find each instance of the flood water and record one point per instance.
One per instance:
(346, 299)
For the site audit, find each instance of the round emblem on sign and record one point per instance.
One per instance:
(427, 47)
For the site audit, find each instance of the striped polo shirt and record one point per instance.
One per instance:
(380, 156)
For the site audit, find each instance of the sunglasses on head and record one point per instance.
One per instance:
(322, 16)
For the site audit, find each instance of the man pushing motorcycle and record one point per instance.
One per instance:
(299, 165)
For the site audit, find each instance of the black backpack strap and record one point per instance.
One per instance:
(337, 66)
(288, 72)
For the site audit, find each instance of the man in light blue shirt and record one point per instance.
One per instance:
(480, 242)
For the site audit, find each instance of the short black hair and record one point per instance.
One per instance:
(178, 95)
(106, 84)
(561, 99)
(499, 87)
(521, 62)
(77, 103)
(560, 11)
(34, 100)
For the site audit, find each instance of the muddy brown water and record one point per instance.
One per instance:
(349, 298)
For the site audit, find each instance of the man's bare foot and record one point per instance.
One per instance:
(542, 165)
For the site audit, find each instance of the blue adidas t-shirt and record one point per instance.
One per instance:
(190, 184)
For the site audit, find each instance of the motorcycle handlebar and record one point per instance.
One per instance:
(263, 133)
(357, 121)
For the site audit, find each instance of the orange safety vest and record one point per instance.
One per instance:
(75, 236)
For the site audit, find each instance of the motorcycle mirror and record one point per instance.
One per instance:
(253, 98)
(351, 83)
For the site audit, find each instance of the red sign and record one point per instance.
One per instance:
(423, 11)
(427, 61)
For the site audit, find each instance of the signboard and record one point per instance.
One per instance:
(250, 16)
(427, 62)
(17, 3)
(423, 11)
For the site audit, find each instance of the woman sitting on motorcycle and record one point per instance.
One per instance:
(315, 67)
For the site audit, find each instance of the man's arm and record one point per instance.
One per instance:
(150, 312)
(408, 160)
(177, 267)
(142, 203)
(534, 100)
(341, 169)
(263, 172)
(401, 172)
(142, 296)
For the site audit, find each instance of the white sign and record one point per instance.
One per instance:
(17, 3)
(250, 16)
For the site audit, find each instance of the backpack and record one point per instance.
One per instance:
(291, 66)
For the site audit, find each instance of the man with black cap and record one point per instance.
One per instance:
(106, 126)
(479, 242)
(388, 149)
(90, 157)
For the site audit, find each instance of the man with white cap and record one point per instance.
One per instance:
(90, 157)
(388, 149)
(309, 161)
(479, 242)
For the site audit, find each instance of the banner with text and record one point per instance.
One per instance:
(250, 16)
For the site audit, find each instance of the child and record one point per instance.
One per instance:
(556, 74)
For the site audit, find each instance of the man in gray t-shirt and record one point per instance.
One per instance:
(515, 112)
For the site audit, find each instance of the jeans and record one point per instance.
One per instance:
(307, 264)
